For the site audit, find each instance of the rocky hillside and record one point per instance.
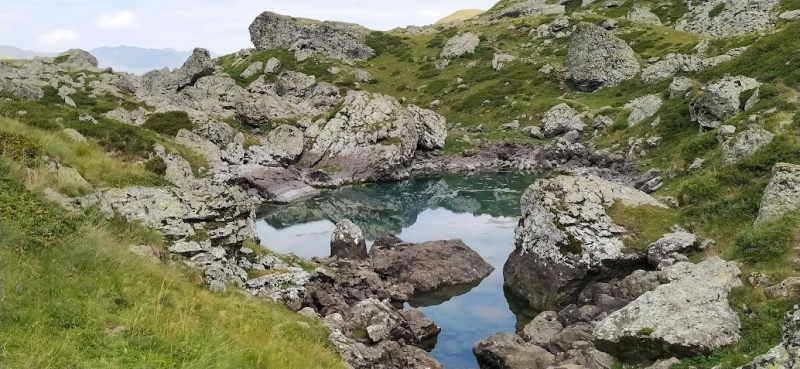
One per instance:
(669, 226)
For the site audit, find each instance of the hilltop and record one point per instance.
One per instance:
(460, 15)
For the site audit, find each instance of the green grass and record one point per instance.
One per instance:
(455, 145)
(767, 242)
(716, 10)
(168, 123)
(645, 223)
(74, 297)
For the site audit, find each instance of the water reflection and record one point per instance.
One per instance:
(480, 209)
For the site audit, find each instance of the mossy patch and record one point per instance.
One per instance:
(645, 223)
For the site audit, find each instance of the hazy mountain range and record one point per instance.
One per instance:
(123, 58)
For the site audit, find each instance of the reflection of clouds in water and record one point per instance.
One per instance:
(304, 240)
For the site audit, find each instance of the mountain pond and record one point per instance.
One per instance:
(481, 209)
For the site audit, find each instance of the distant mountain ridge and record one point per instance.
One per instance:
(124, 58)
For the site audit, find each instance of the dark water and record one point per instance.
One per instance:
(480, 209)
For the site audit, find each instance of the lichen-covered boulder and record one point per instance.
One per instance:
(721, 100)
(728, 17)
(347, 241)
(338, 40)
(285, 143)
(561, 119)
(746, 143)
(459, 45)
(643, 108)
(782, 195)
(371, 137)
(596, 58)
(687, 317)
(431, 128)
(565, 238)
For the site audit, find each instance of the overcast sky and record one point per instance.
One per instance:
(219, 25)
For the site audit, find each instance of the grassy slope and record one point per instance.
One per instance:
(461, 15)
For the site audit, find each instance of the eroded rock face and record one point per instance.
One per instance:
(431, 128)
(371, 137)
(509, 351)
(782, 195)
(734, 17)
(721, 100)
(565, 238)
(347, 241)
(746, 143)
(459, 45)
(428, 266)
(688, 316)
(597, 58)
(337, 40)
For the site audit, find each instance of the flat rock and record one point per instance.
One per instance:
(278, 184)
(688, 316)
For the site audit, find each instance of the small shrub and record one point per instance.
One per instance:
(19, 147)
(168, 123)
(646, 331)
(383, 42)
(700, 188)
(699, 145)
(156, 165)
(766, 242)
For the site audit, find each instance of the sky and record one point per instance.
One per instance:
(218, 25)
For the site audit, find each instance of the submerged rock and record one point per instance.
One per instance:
(565, 238)
(428, 266)
(337, 40)
(347, 241)
(687, 317)
(596, 58)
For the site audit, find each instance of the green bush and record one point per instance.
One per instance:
(19, 147)
(777, 60)
(168, 123)
(766, 242)
(130, 141)
(156, 165)
(703, 187)
(383, 42)
(699, 145)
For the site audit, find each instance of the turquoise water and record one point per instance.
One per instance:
(481, 209)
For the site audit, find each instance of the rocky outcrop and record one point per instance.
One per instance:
(459, 45)
(431, 128)
(371, 137)
(21, 89)
(164, 81)
(565, 238)
(721, 100)
(673, 64)
(428, 266)
(509, 351)
(782, 195)
(347, 241)
(79, 58)
(284, 143)
(337, 40)
(561, 119)
(671, 248)
(679, 86)
(728, 17)
(643, 108)
(746, 143)
(596, 58)
(688, 316)
(528, 8)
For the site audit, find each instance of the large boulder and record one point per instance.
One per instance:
(746, 143)
(428, 266)
(687, 317)
(79, 58)
(382, 321)
(671, 247)
(431, 128)
(565, 238)
(782, 195)
(561, 119)
(596, 58)
(459, 45)
(721, 100)
(643, 108)
(728, 17)
(372, 137)
(509, 351)
(644, 15)
(347, 241)
(337, 40)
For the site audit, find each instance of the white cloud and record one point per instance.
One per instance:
(118, 20)
(60, 37)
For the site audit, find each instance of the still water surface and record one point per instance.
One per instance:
(481, 209)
